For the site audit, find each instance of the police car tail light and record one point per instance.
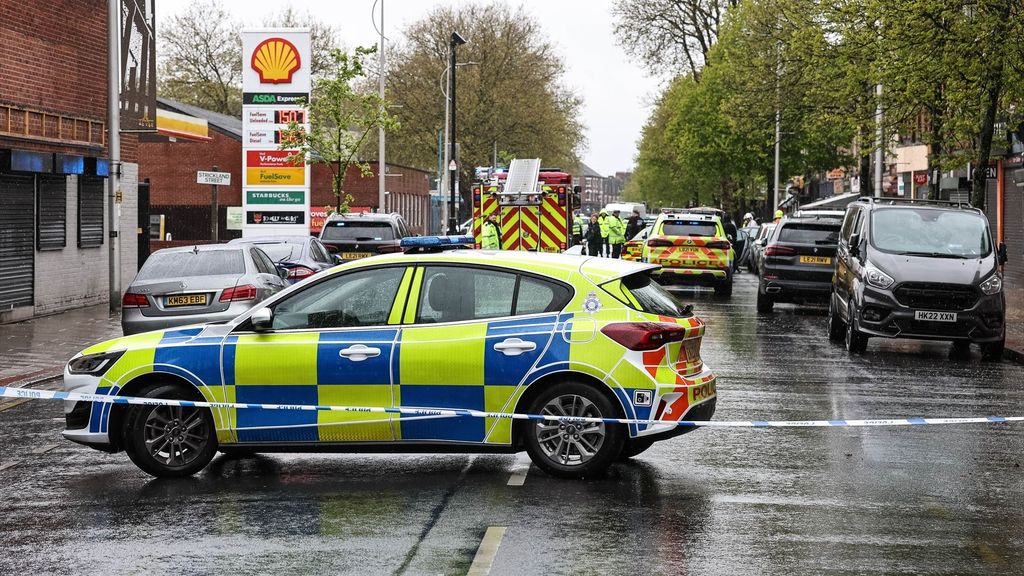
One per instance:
(237, 293)
(776, 250)
(657, 242)
(132, 300)
(719, 245)
(644, 335)
(300, 272)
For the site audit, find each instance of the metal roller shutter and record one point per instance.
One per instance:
(51, 219)
(17, 250)
(1013, 231)
(90, 211)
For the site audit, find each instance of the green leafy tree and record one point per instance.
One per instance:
(342, 117)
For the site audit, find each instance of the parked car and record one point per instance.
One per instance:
(918, 269)
(359, 235)
(763, 234)
(303, 256)
(797, 263)
(456, 329)
(192, 284)
(744, 258)
(634, 248)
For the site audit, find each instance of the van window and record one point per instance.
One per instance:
(931, 232)
(809, 233)
(848, 222)
(688, 228)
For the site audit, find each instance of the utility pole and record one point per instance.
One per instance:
(880, 134)
(381, 166)
(453, 170)
(443, 184)
(778, 127)
(114, 148)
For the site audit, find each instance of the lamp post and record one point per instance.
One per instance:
(453, 170)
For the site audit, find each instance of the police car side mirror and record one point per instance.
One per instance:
(262, 319)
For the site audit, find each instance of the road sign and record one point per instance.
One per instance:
(214, 178)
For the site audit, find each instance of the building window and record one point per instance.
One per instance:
(90, 211)
(51, 212)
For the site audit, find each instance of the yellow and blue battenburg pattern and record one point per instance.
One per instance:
(455, 365)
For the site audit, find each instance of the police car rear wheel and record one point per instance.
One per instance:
(573, 449)
(169, 441)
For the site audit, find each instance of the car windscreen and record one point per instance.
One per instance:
(192, 263)
(643, 293)
(930, 232)
(358, 231)
(688, 228)
(809, 233)
(283, 252)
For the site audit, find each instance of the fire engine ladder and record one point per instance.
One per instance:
(523, 174)
(520, 220)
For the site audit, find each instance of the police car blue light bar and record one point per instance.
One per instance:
(434, 241)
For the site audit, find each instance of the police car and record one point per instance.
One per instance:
(502, 332)
(691, 247)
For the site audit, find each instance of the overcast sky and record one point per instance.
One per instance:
(616, 92)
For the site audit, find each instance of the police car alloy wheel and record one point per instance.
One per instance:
(569, 449)
(169, 441)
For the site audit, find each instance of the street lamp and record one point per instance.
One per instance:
(453, 223)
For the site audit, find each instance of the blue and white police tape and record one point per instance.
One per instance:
(460, 412)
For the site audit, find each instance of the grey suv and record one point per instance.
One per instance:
(359, 235)
(917, 269)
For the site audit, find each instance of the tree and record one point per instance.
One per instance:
(200, 58)
(200, 54)
(510, 90)
(666, 34)
(341, 119)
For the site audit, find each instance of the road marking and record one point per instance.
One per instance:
(519, 470)
(8, 465)
(488, 549)
(44, 449)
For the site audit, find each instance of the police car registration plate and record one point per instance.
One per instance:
(935, 316)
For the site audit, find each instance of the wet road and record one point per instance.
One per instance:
(909, 500)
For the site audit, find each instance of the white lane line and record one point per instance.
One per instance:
(8, 465)
(488, 549)
(45, 449)
(519, 469)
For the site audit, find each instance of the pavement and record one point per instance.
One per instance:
(868, 501)
(1014, 322)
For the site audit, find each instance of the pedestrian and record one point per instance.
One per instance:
(602, 221)
(778, 216)
(490, 237)
(577, 228)
(593, 236)
(634, 225)
(616, 233)
(729, 227)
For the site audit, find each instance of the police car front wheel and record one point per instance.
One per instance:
(573, 449)
(169, 441)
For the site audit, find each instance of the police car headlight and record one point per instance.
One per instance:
(993, 285)
(877, 278)
(94, 364)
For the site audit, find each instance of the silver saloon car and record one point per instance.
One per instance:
(196, 284)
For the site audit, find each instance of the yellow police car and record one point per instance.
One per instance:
(691, 247)
(502, 332)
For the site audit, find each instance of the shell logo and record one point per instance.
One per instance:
(275, 60)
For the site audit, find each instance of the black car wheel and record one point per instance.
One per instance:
(169, 441)
(993, 350)
(765, 303)
(856, 341)
(725, 288)
(570, 449)
(836, 330)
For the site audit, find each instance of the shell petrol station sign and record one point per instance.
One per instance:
(276, 84)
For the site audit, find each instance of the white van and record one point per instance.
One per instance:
(626, 208)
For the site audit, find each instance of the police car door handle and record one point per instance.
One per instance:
(358, 353)
(515, 346)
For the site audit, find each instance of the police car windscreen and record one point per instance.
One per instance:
(282, 252)
(800, 233)
(192, 263)
(348, 230)
(688, 228)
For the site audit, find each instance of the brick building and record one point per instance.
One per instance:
(54, 233)
(170, 165)
(597, 191)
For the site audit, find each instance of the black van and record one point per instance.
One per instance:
(917, 269)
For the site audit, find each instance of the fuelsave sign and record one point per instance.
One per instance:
(276, 83)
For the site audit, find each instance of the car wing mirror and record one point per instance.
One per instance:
(1002, 255)
(855, 245)
(282, 272)
(262, 319)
